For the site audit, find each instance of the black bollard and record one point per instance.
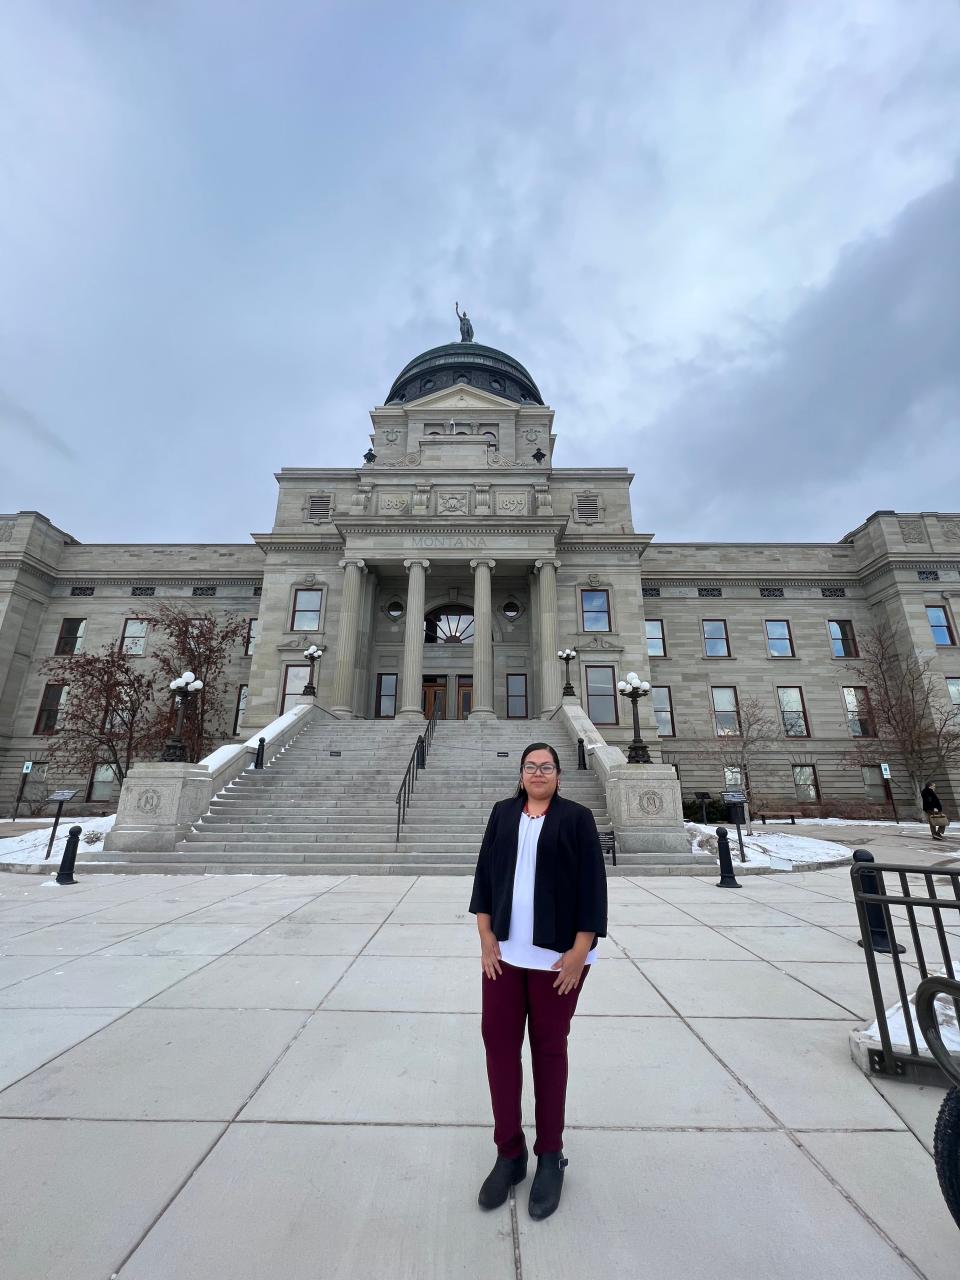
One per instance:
(727, 879)
(581, 755)
(879, 938)
(258, 762)
(67, 862)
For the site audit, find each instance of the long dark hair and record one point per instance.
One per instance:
(536, 746)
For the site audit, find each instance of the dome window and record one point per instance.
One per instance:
(511, 610)
(395, 609)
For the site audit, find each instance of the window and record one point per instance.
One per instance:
(601, 695)
(953, 689)
(101, 783)
(716, 643)
(726, 711)
(792, 712)
(663, 710)
(779, 638)
(239, 709)
(70, 639)
(253, 627)
(656, 643)
(395, 610)
(734, 778)
(511, 610)
(940, 625)
(771, 593)
(516, 697)
(709, 593)
(134, 638)
(805, 783)
(856, 699)
(386, 706)
(595, 607)
(294, 683)
(204, 591)
(81, 591)
(842, 640)
(50, 705)
(306, 610)
(449, 624)
(873, 783)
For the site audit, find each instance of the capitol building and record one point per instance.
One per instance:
(442, 574)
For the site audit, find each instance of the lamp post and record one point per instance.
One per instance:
(312, 655)
(567, 656)
(183, 689)
(634, 688)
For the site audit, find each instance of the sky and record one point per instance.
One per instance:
(723, 238)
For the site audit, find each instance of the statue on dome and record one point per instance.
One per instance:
(466, 328)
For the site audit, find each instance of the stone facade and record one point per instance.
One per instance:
(459, 517)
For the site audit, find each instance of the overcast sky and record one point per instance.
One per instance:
(723, 237)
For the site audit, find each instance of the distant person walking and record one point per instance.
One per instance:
(540, 898)
(934, 811)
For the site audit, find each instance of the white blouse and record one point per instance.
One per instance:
(518, 949)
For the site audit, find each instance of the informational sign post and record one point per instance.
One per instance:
(885, 772)
(736, 804)
(24, 777)
(59, 798)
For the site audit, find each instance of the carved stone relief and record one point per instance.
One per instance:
(511, 504)
(912, 531)
(452, 503)
(393, 503)
(949, 530)
(6, 530)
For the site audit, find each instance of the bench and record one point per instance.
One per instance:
(779, 816)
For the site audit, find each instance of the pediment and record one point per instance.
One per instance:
(458, 400)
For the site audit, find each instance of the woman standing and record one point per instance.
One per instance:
(540, 898)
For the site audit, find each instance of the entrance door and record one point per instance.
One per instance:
(435, 697)
(464, 696)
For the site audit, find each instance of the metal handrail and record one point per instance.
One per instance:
(418, 761)
(927, 993)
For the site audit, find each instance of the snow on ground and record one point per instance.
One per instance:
(773, 849)
(897, 1025)
(837, 822)
(30, 847)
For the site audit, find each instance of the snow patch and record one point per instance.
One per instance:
(897, 1025)
(30, 847)
(773, 849)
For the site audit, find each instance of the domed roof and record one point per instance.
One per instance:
(467, 363)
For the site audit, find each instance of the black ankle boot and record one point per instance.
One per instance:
(506, 1173)
(547, 1184)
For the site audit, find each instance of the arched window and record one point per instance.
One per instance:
(449, 624)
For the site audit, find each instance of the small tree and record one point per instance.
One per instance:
(203, 644)
(109, 712)
(759, 732)
(911, 718)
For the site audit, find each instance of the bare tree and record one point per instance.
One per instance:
(909, 716)
(759, 731)
(204, 644)
(109, 712)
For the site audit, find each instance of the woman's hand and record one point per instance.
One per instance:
(570, 965)
(490, 954)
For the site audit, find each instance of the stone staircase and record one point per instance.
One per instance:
(315, 812)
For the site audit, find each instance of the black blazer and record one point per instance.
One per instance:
(570, 887)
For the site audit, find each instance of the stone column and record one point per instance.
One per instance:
(549, 664)
(482, 641)
(411, 690)
(348, 633)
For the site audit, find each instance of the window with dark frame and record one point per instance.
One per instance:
(716, 642)
(100, 786)
(843, 641)
(306, 610)
(51, 702)
(734, 778)
(656, 640)
(663, 710)
(805, 783)
(651, 593)
(70, 639)
(516, 696)
(856, 700)
(953, 689)
(294, 682)
(386, 701)
(726, 711)
(595, 610)
(133, 640)
(253, 627)
(239, 709)
(779, 638)
(601, 695)
(940, 626)
(793, 713)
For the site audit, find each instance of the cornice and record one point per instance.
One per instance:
(21, 565)
(438, 527)
(767, 580)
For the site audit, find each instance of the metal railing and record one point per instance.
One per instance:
(418, 761)
(878, 935)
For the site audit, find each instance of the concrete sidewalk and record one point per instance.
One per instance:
(241, 1078)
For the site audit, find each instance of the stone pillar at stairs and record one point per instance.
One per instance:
(482, 641)
(549, 665)
(348, 634)
(411, 689)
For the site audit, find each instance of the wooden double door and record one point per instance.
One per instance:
(435, 697)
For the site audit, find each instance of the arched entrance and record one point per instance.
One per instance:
(447, 689)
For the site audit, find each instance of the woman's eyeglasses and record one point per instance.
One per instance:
(548, 770)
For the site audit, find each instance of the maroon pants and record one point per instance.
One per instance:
(507, 1000)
